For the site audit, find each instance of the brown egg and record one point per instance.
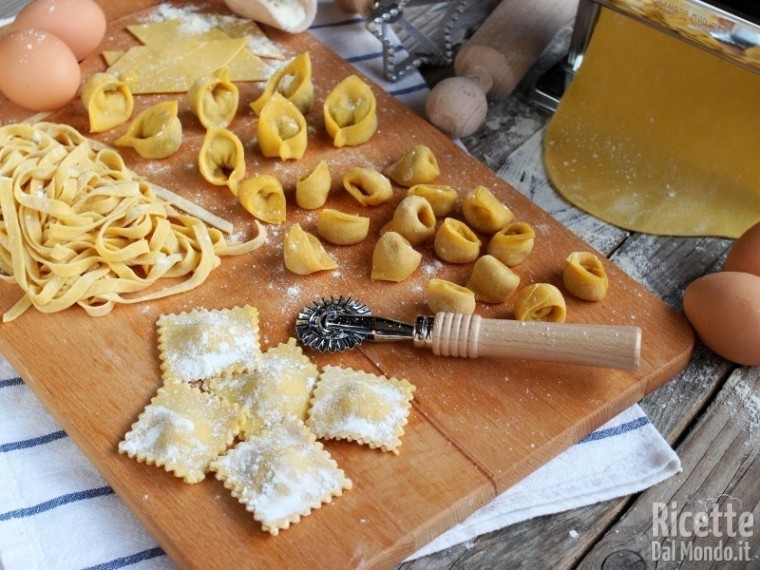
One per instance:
(81, 24)
(744, 255)
(39, 72)
(724, 309)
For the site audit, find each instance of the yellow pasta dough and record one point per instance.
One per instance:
(540, 302)
(313, 187)
(512, 244)
(303, 253)
(264, 198)
(342, 228)
(350, 112)
(447, 297)
(221, 159)
(414, 219)
(362, 407)
(455, 242)
(368, 186)
(281, 474)
(292, 81)
(108, 101)
(183, 430)
(584, 276)
(418, 166)
(484, 212)
(394, 258)
(156, 132)
(214, 98)
(442, 198)
(281, 129)
(492, 281)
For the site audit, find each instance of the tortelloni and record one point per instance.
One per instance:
(394, 258)
(108, 101)
(540, 302)
(585, 277)
(156, 132)
(484, 212)
(414, 219)
(512, 244)
(221, 160)
(492, 281)
(312, 188)
(263, 197)
(281, 129)
(350, 112)
(418, 166)
(293, 81)
(447, 297)
(368, 186)
(442, 198)
(455, 242)
(214, 98)
(341, 228)
(304, 254)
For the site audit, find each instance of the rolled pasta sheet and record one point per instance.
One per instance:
(156, 132)
(442, 198)
(281, 129)
(447, 297)
(108, 101)
(484, 212)
(584, 276)
(394, 258)
(540, 302)
(304, 254)
(313, 187)
(221, 160)
(368, 186)
(264, 198)
(455, 242)
(418, 166)
(414, 219)
(350, 112)
(341, 228)
(512, 244)
(214, 99)
(293, 81)
(492, 281)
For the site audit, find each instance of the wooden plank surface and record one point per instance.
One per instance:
(476, 427)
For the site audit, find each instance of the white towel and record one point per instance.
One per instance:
(57, 513)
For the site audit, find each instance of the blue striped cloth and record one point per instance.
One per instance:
(57, 513)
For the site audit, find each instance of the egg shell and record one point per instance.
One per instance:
(724, 309)
(744, 255)
(81, 24)
(39, 71)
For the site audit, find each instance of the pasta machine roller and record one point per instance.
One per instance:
(337, 324)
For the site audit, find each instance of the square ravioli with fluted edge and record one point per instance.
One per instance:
(183, 430)
(281, 474)
(362, 407)
(203, 343)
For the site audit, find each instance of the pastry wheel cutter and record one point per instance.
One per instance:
(337, 324)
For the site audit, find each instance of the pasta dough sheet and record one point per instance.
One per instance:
(657, 136)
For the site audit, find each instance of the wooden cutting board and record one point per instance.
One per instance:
(476, 426)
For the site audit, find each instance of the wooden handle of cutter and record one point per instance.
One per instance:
(470, 336)
(494, 60)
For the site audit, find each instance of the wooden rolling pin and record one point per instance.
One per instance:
(493, 61)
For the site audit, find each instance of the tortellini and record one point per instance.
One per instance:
(418, 166)
(540, 302)
(512, 244)
(108, 101)
(394, 258)
(221, 159)
(304, 254)
(368, 186)
(414, 219)
(447, 297)
(455, 242)
(156, 132)
(292, 81)
(341, 228)
(492, 281)
(350, 112)
(484, 212)
(214, 98)
(442, 198)
(312, 188)
(585, 277)
(281, 129)
(264, 198)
